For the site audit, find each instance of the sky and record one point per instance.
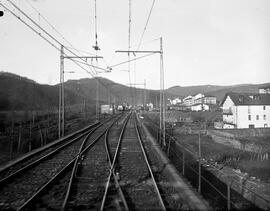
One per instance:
(218, 42)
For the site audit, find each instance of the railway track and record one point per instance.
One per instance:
(24, 182)
(103, 167)
(90, 170)
(24, 161)
(212, 188)
(131, 184)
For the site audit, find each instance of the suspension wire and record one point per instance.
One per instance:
(28, 25)
(96, 36)
(47, 21)
(48, 34)
(50, 42)
(54, 28)
(148, 18)
(136, 58)
(129, 39)
(81, 51)
(144, 30)
(96, 47)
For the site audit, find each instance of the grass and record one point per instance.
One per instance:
(47, 123)
(248, 162)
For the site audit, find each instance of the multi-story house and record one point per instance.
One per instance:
(200, 107)
(212, 100)
(175, 101)
(243, 110)
(264, 89)
(188, 101)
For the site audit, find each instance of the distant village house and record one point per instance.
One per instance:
(243, 110)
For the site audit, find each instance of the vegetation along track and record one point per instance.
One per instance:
(42, 153)
(23, 185)
(135, 186)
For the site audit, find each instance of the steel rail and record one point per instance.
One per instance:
(54, 178)
(107, 148)
(36, 162)
(44, 187)
(148, 165)
(42, 149)
(75, 166)
(113, 163)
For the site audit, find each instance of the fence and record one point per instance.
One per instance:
(222, 190)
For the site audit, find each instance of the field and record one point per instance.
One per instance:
(255, 164)
(248, 162)
(23, 131)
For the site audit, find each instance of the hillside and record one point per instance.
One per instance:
(20, 93)
(217, 91)
(119, 93)
(191, 90)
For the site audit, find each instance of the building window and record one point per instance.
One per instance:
(248, 109)
(263, 107)
(251, 126)
(249, 117)
(257, 117)
(264, 117)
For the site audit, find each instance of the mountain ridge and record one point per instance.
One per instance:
(18, 92)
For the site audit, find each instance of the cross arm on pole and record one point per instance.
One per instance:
(130, 51)
(136, 84)
(83, 57)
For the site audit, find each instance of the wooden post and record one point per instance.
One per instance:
(199, 185)
(228, 196)
(41, 136)
(20, 137)
(183, 162)
(11, 148)
(158, 136)
(30, 137)
(168, 149)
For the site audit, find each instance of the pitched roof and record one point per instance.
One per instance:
(248, 98)
(265, 86)
(210, 96)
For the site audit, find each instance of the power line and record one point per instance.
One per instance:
(50, 42)
(136, 58)
(96, 48)
(48, 34)
(129, 38)
(47, 21)
(28, 25)
(148, 18)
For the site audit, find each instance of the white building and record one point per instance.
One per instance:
(264, 89)
(200, 107)
(243, 110)
(175, 101)
(198, 96)
(210, 100)
(150, 106)
(188, 101)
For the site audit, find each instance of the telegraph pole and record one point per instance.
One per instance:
(140, 84)
(161, 96)
(63, 91)
(97, 100)
(162, 99)
(61, 116)
(61, 112)
(144, 95)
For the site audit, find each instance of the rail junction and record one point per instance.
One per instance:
(108, 165)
